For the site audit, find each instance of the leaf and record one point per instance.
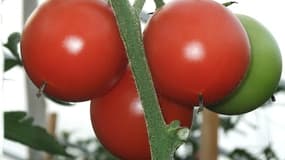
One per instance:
(19, 128)
(10, 63)
(269, 153)
(238, 154)
(229, 3)
(12, 44)
(102, 153)
(228, 123)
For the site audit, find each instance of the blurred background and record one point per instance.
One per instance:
(251, 134)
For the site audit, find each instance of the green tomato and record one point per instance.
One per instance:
(263, 75)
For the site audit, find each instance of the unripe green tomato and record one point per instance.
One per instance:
(263, 75)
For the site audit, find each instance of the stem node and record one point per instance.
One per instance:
(183, 134)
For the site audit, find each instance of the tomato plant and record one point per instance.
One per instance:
(264, 72)
(73, 48)
(197, 51)
(196, 48)
(118, 120)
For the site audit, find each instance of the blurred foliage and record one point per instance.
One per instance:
(91, 149)
(12, 46)
(19, 127)
(88, 149)
(229, 123)
(241, 154)
(269, 153)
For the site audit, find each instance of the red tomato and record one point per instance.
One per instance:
(196, 47)
(118, 120)
(74, 47)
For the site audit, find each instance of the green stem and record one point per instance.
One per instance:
(129, 26)
(138, 5)
(163, 138)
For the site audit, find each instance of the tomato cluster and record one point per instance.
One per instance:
(197, 50)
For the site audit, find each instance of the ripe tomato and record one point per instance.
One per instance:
(264, 72)
(118, 120)
(74, 47)
(196, 47)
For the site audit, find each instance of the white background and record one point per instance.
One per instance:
(269, 121)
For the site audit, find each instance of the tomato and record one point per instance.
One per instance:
(118, 120)
(264, 72)
(74, 47)
(196, 47)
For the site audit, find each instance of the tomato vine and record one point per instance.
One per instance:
(164, 139)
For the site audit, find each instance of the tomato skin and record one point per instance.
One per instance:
(264, 72)
(118, 120)
(196, 47)
(74, 47)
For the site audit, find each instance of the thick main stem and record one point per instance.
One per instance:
(162, 141)
(138, 5)
(131, 34)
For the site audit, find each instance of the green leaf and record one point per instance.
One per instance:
(269, 153)
(10, 63)
(158, 3)
(238, 154)
(19, 128)
(102, 153)
(12, 44)
(229, 3)
(228, 123)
